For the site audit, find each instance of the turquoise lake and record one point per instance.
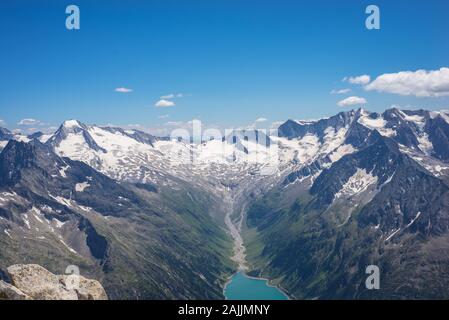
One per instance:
(242, 287)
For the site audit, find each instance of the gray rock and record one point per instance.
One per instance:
(38, 283)
(9, 292)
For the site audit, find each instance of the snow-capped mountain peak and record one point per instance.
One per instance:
(70, 124)
(72, 133)
(301, 147)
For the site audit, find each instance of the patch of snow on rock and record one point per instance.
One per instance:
(378, 124)
(80, 187)
(356, 184)
(341, 151)
(63, 170)
(424, 143)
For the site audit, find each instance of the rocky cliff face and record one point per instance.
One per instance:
(378, 196)
(58, 212)
(33, 282)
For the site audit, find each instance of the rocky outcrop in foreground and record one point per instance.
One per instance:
(33, 282)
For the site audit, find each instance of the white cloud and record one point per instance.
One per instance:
(123, 90)
(163, 103)
(29, 122)
(168, 96)
(363, 79)
(163, 116)
(261, 119)
(341, 91)
(2, 122)
(172, 96)
(352, 101)
(420, 83)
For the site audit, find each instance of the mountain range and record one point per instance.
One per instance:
(160, 218)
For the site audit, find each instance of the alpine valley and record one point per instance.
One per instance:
(309, 208)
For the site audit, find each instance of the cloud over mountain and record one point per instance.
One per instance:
(29, 122)
(420, 83)
(352, 101)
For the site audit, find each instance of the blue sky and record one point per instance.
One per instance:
(232, 61)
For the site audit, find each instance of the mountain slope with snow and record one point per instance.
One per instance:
(355, 188)
(62, 212)
(385, 202)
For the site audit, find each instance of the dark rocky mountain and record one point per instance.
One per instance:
(292, 129)
(139, 243)
(384, 204)
(5, 134)
(35, 135)
(381, 159)
(360, 136)
(438, 131)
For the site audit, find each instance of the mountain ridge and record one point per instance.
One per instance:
(339, 192)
